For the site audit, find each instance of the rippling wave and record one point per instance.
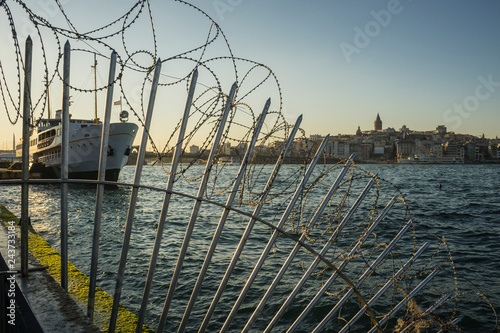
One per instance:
(465, 210)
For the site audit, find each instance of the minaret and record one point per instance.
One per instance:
(378, 123)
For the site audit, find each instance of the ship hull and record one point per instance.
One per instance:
(84, 150)
(111, 175)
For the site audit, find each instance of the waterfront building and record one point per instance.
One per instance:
(341, 148)
(405, 145)
(278, 146)
(194, 149)
(494, 152)
(437, 150)
(454, 150)
(471, 151)
(299, 147)
(405, 148)
(241, 148)
(225, 148)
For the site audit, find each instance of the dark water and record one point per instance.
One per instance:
(465, 210)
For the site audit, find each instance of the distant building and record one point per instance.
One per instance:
(471, 151)
(241, 148)
(377, 123)
(316, 137)
(454, 150)
(441, 130)
(405, 145)
(405, 148)
(494, 152)
(404, 130)
(225, 148)
(340, 148)
(437, 150)
(8, 155)
(194, 149)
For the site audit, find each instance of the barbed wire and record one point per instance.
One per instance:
(207, 108)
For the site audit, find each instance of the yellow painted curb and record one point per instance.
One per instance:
(78, 283)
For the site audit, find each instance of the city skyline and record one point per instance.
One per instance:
(401, 127)
(418, 64)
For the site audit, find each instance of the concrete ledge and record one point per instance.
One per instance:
(56, 309)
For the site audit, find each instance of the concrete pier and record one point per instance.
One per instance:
(10, 174)
(53, 308)
(36, 171)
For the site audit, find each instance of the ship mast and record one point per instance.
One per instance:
(48, 95)
(96, 120)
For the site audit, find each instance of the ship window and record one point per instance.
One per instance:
(86, 135)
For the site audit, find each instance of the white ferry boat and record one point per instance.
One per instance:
(84, 146)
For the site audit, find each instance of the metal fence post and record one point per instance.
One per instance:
(25, 156)
(133, 198)
(223, 218)
(64, 168)
(196, 208)
(166, 202)
(100, 187)
(249, 228)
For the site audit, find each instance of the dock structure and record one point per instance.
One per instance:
(41, 173)
(10, 174)
(41, 305)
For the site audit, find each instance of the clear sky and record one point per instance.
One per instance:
(417, 63)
